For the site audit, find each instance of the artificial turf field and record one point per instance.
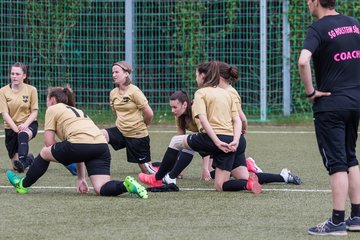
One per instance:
(53, 210)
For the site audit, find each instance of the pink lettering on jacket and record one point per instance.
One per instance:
(343, 30)
(349, 55)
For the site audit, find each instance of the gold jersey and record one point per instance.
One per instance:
(218, 106)
(190, 125)
(128, 109)
(72, 124)
(18, 103)
(234, 95)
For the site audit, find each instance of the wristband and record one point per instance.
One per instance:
(311, 94)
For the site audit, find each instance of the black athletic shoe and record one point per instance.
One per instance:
(22, 164)
(329, 228)
(19, 165)
(353, 224)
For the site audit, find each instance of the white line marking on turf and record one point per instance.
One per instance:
(264, 189)
(195, 189)
(45, 187)
(249, 132)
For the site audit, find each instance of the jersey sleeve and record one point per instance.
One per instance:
(3, 104)
(199, 106)
(312, 40)
(34, 99)
(139, 99)
(50, 119)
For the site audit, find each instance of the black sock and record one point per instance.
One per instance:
(113, 188)
(269, 178)
(234, 185)
(184, 159)
(338, 216)
(212, 174)
(23, 145)
(355, 210)
(167, 163)
(36, 170)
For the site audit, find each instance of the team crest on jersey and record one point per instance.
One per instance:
(126, 99)
(25, 99)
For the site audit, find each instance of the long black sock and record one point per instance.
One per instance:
(184, 159)
(36, 170)
(338, 216)
(113, 188)
(355, 210)
(167, 163)
(269, 178)
(23, 145)
(234, 185)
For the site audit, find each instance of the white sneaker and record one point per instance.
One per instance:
(289, 177)
(169, 180)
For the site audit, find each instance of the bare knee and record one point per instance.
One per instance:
(98, 181)
(177, 142)
(46, 154)
(97, 190)
(218, 186)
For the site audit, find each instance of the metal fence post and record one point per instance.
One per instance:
(130, 36)
(286, 60)
(263, 61)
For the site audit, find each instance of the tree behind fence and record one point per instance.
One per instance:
(76, 42)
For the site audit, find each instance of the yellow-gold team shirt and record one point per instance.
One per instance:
(72, 124)
(218, 106)
(190, 125)
(18, 103)
(128, 109)
(234, 95)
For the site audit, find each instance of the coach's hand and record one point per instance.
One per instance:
(319, 94)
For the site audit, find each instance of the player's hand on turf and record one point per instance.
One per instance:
(81, 186)
(205, 175)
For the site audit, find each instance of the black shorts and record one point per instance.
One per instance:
(201, 142)
(336, 134)
(95, 156)
(240, 159)
(137, 149)
(11, 139)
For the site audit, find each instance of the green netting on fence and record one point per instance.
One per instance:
(77, 41)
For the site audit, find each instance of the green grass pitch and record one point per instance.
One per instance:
(53, 210)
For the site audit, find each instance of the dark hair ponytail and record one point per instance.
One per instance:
(63, 95)
(228, 73)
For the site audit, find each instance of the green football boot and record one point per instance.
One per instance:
(132, 186)
(16, 182)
